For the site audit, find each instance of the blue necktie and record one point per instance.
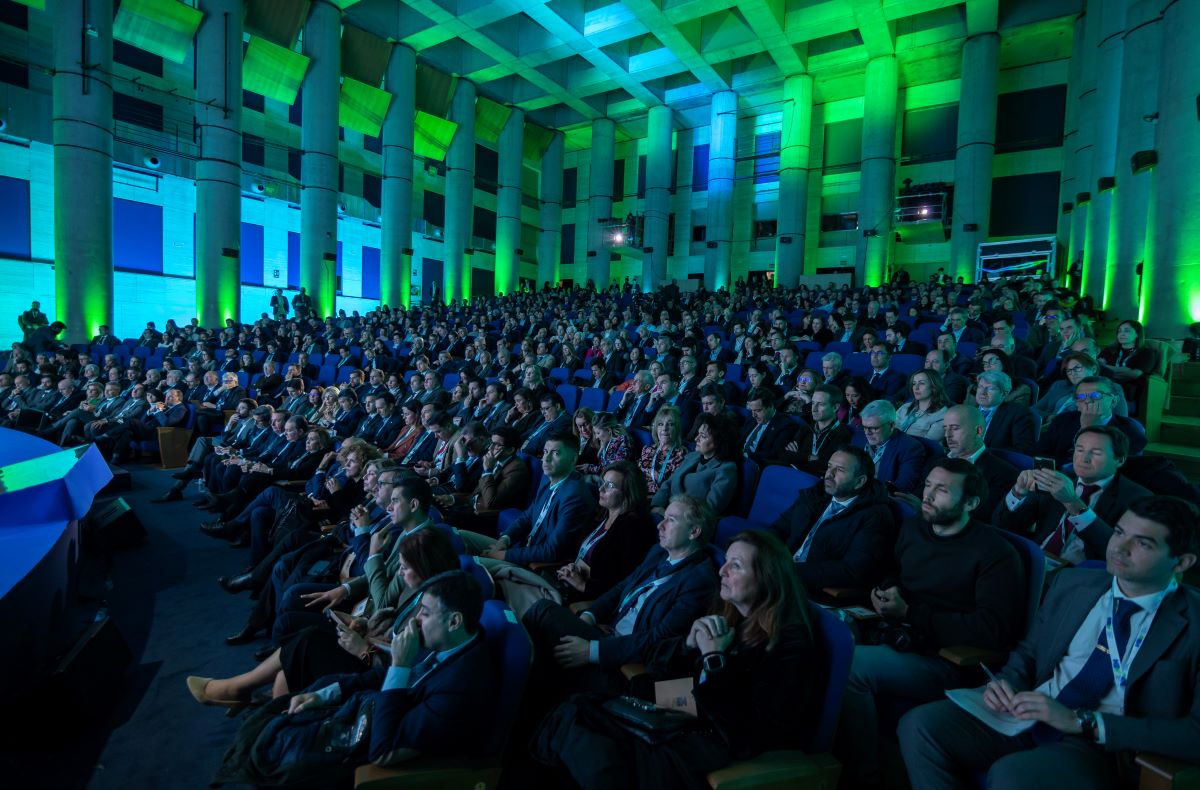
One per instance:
(422, 669)
(1095, 677)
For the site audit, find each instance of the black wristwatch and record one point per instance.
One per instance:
(1086, 719)
(714, 662)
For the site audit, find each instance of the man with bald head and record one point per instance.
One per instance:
(964, 427)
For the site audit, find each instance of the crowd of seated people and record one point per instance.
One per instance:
(576, 451)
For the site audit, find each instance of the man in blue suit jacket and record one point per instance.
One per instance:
(552, 527)
(890, 384)
(899, 458)
(662, 598)
(432, 701)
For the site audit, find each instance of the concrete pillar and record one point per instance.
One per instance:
(508, 204)
(397, 194)
(1109, 56)
(1130, 200)
(1171, 282)
(794, 151)
(83, 141)
(658, 198)
(319, 161)
(877, 185)
(722, 151)
(600, 200)
(460, 194)
(550, 237)
(1069, 185)
(1085, 98)
(976, 145)
(219, 169)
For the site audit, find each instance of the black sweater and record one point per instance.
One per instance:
(966, 589)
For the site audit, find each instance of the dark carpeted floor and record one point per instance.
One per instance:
(163, 598)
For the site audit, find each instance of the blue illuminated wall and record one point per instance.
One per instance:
(14, 217)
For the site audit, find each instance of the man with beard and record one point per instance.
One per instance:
(958, 582)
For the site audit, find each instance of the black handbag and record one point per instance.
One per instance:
(646, 720)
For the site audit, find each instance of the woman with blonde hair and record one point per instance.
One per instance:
(659, 460)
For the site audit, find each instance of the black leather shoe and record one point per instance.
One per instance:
(215, 529)
(236, 584)
(173, 495)
(262, 654)
(243, 541)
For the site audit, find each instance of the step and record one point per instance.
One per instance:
(1190, 389)
(1186, 458)
(1183, 405)
(1182, 430)
(1187, 371)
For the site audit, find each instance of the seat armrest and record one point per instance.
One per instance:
(580, 606)
(541, 566)
(845, 594)
(1166, 773)
(631, 671)
(967, 656)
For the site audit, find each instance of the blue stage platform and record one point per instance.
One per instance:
(44, 492)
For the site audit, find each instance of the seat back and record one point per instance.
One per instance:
(777, 488)
(748, 472)
(592, 398)
(570, 396)
(907, 363)
(835, 646)
(512, 656)
(1019, 460)
(1034, 563)
(481, 574)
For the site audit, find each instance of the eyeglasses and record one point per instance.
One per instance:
(608, 485)
(872, 428)
(1082, 396)
(1075, 369)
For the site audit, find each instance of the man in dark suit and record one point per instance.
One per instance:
(963, 426)
(768, 432)
(897, 336)
(852, 333)
(957, 362)
(662, 598)
(1062, 677)
(70, 426)
(957, 325)
(840, 532)
(1009, 426)
(713, 351)
(899, 458)
(1070, 515)
(635, 403)
(553, 525)
(170, 413)
(956, 384)
(210, 414)
(555, 421)
(1094, 398)
(601, 378)
(888, 383)
(68, 399)
(105, 337)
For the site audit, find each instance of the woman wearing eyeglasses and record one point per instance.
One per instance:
(1060, 396)
(618, 543)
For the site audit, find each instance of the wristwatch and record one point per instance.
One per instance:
(714, 662)
(1086, 719)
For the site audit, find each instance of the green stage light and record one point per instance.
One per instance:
(432, 136)
(272, 70)
(362, 107)
(164, 27)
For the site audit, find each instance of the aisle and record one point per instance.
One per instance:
(167, 605)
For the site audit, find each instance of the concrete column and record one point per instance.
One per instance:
(1069, 185)
(658, 198)
(319, 161)
(508, 203)
(600, 200)
(976, 145)
(219, 168)
(550, 237)
(722, 150)
(877, 185)
(1130, 200)
(795, 148)
(397, 192)
(83, 142)
(1085, 99)
(1171, 279)
(1111, 50)
(460, 195)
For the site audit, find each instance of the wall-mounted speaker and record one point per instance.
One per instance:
(1105, 183)
(406, 251)
(970, 227)
(712, 245)
(330, 257)
(230, 252)
(591, 253)
(785, 239)
(1067, 208)
(870, 233)
(1083, 197)
(1142, 161)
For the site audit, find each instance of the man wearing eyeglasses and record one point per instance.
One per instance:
(1094, 397)
(1008, 425)
(899, 458)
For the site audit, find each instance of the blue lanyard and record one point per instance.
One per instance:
(1119, 668)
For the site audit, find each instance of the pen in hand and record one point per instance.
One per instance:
(1000, 692)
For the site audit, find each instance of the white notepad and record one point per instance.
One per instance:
(971, 700)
